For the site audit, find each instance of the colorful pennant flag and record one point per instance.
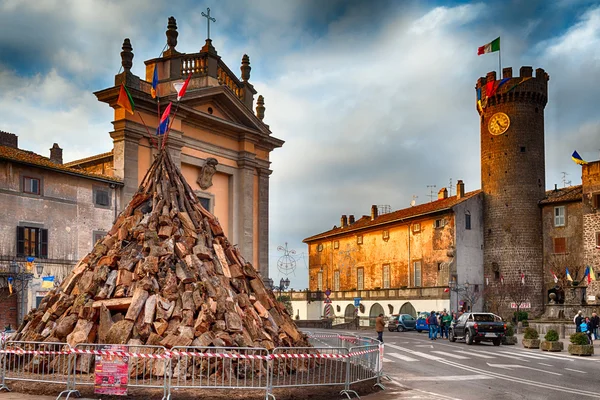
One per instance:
(125, 100)
(592, 275)
(154, 90)
(10, 281)
(47, 282)
(164, 121)
(577, 158)
(568, 275)
(182, 87)
(518, 83)
(29, 264)
(554, 277)
(502, 82)
(491, 47)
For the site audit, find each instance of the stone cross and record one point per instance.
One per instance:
(208, 18)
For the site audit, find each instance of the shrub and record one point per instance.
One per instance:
(579, 338)
(530, 333)
(551, 336)
(510, 330)
(525, 323)
(521, 316)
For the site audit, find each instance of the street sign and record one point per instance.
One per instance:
(357, 301)
(328, 293)
(523, 306)
(327, 300)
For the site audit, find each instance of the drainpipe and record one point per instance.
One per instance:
(408, 265)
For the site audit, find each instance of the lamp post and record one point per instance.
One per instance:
(456, 288)
(283, 285)
(17, 273)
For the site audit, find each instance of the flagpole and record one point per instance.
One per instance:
(500, 63)
(166, 135)
(147, 131)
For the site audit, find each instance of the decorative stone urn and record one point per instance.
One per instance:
(531, 343)
(509, 340)
(581, 349)
(551, 346)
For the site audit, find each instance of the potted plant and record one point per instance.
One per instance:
(530, 339)
(579, 345)
(552, 342)
(510, 337)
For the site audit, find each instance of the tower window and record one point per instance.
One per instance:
(560, 245)
(559, 216)
(467, 221)
(522, 149)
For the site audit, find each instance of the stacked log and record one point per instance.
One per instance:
(165, 274)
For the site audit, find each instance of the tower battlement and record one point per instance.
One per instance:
(523, 88)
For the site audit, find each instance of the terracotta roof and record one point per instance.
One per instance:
(36, 160)
(88, 159)
(399, 215)
(571, 193)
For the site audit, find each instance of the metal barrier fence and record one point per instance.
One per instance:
(148, 366)
(219, 368)
(339, 360)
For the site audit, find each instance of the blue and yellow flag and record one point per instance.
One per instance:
(154, 89)
(577, 158)
(48, 282)
(569, 275)
(10, 281)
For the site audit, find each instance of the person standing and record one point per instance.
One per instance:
(595, 324)
(585, 328)
(379, 326)
(446, 322)
(433, 325)
(578, 320)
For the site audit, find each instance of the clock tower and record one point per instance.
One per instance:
(511, 112)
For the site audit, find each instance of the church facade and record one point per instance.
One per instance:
(216, 137)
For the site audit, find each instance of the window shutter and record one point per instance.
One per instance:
(560, 245)
(20, 241)
(44, 243)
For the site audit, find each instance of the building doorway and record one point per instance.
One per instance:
(408, 308)
(376, 309)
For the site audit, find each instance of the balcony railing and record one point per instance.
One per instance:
(436, 292)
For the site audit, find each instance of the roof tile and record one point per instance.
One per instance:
(571, 193)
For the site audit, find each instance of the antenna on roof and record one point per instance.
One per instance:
(431, 192)
(565, 182)
(414, 200)
(450, 187)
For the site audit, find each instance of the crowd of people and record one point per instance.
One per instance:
(587, 325)
(439, 324)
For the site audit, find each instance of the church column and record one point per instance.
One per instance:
(245, 211)
(263, 221)
(125, 158)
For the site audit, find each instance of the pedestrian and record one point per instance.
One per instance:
(584, 328)
(379, 325)
(595, 320)
(446, 322)
(439, 321)
(578, 319)
(433, 325)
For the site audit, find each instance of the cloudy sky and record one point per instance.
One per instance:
(374, 99)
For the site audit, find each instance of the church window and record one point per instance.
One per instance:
(359, 239)
(320, 280)
(360, 278)
(386, 276)
(417, 273)
(468, 221)
(319, 247)
(210, 110)
(416, 228)
(386, 234)
(523, 149)
(559, 216)
(336, 280)
(336, 244)
(560, 245)
(31, 185)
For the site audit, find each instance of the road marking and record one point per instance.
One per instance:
(401, 357)
(522, 355)
(574, 370)
(451, 355)
(454, 378)
(501, 355)
(512, 366)
(424, 345)
(513, 379)
(416, 353)
(473, 354)
(386, 360)
(410, 389)
(546, 365)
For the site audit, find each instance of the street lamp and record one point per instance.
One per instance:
(16, 273)
(283, 285)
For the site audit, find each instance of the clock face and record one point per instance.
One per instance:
(498, 124)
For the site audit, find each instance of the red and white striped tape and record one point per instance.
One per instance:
(34, 352)
(178, 353)
(121, 353)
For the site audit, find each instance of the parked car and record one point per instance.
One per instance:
(401, 323)
(422, 324)
(478, 327)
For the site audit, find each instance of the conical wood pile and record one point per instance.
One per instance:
(165, 275)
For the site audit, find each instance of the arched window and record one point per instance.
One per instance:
(408, 308)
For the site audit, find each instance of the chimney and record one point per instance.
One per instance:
(374, 213)
(56, 154)
(343, 221)
(351, 220)
(9, 140)
(555, 187)
(460, 189)
(443, 194)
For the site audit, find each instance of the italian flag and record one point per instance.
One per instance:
(490, 47)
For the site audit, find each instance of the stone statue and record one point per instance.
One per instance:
(206, 173)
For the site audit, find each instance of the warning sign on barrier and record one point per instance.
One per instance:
(112, 371)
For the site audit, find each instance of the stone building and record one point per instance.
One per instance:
(221, 145)
(52, 212)
(402, 261)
